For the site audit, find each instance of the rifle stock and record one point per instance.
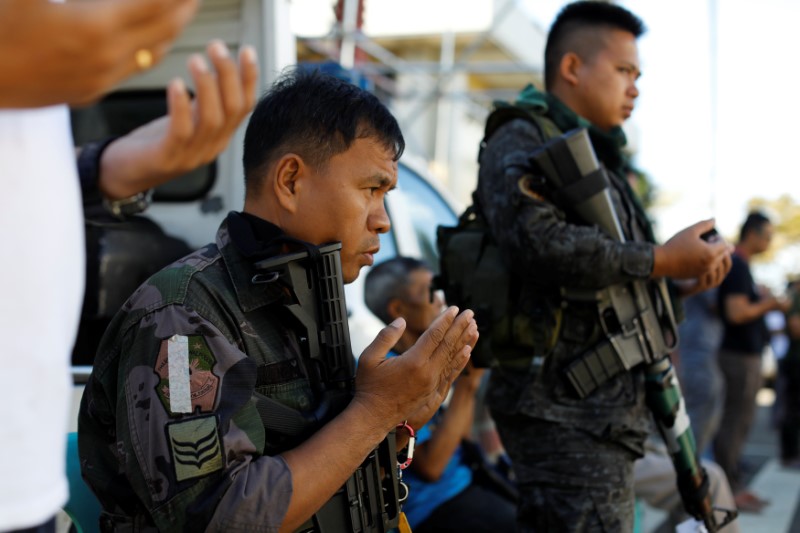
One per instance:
(312, 289)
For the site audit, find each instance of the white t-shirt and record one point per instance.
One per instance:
(41, 291)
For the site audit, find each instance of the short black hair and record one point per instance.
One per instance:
(388, 280)
(754, 223)
(568, 32)
(316, 116)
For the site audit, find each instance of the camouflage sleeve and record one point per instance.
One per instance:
(189, 437)
(535, 233)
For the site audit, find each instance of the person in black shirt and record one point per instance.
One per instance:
(743, 305)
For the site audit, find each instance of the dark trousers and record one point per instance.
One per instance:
(568, 479)
(47, 527)
(742, 373)
(474, 510)
(789, 375)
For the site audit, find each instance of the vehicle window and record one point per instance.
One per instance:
(123, 111)
(426, 210)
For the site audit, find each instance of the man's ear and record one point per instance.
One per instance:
(568, 68)
(395, 309)
(288, 171)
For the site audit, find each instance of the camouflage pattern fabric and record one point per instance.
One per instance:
(169, 436)
(576, 483)
(550, 248)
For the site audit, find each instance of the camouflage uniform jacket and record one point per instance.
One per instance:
(550, 248)
(190, 454)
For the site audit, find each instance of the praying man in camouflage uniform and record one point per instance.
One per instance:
(573, 457)
(169, 434)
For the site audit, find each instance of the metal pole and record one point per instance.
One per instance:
(347, 52)
(714, 107)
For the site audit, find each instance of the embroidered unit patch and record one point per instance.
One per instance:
(192, 361)
(196, 448)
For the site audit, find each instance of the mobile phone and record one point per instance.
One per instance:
(710, 235)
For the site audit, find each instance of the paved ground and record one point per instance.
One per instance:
(767, 478)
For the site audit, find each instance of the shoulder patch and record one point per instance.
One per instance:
(195, 447)
(185, 365)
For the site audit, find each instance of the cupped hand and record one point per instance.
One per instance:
(413, 385)
(687, 256)
(193, 133)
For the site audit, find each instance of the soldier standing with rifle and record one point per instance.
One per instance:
(572, 414)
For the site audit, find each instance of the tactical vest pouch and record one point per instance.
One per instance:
(475, 276)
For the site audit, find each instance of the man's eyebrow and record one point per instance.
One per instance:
(381, 181)
(634, 68)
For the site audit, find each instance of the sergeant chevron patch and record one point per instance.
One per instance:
(195, 446)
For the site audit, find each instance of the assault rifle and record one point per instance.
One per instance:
(310, 285)
(639, 323)
(637, 319)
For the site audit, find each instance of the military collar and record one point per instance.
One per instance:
(242, 240)
(607, 144)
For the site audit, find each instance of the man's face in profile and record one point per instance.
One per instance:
(607, 80)
(343, 200)
(418, 305)
(763, 238)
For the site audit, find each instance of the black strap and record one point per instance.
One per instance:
(583, 189)
(281, 419)
(278, 372)
(694, 490)
(119, 523)
(505, 113)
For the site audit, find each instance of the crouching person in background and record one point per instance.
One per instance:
(444, 494)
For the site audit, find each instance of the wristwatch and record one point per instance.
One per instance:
(129, 206)
(89, 174)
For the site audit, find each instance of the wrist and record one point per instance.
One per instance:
(362, 418)
(99, 175)
(124, 172)
(465, 386)
(659, 263)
